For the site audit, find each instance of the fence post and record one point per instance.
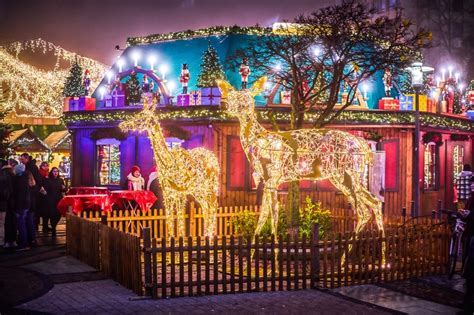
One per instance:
(314, 256)
(103, 219)
(404, 214)
(147, 260)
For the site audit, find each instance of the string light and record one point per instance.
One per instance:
(180, 172)
(303, 154)
(35, 92)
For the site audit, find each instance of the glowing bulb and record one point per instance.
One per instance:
(151, 60)
(110, 74)
(171, 86)
(277, 67)
(136, 56)
(450, 71)
(102, 90)
(163, 70)
(457, 76)
(120, 63)
(443, 72)
(461, 87)
(317, 51)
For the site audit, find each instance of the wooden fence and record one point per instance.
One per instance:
(117, 254)
(344, 220)
(228, 265)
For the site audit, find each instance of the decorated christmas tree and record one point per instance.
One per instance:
(134, 93)
(74, 86)
(211, 69)
(5, 128)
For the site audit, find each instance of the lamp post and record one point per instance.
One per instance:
(417, 69)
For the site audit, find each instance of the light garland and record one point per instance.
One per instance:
(214, 113)
(35, 92)
(303, 154)
(180, 172)
(188, 34)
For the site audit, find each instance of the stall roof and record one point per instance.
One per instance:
(59, 141)
(24, 140)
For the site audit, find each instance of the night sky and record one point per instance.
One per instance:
(93, 27)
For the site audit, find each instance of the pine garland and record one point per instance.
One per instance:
(73, 86)
(211, 69)
(134, 94)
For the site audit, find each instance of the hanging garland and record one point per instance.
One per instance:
(434, 137)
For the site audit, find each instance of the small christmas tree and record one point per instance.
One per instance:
(5, 128)
(134, 93)
(73, 86)
(211, 69)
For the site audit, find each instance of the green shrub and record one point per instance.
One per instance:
(245, 223)
(281, 228)
(313, 213)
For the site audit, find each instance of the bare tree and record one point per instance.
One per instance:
(334, 48)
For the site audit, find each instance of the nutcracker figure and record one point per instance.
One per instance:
(184, 78)
(387, 82)
(87, 82)
(244, 72)
(145, 84)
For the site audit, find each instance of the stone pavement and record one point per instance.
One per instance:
(395, 300)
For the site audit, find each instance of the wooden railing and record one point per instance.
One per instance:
(344, 221)
(117, 254)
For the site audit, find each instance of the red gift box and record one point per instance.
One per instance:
(86, 103)
(389, 104)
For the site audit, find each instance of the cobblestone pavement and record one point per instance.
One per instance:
(108, 297)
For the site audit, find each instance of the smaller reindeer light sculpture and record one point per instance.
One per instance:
(180, 172)
(312, 154)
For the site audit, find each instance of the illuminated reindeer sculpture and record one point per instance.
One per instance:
(311, 154)
(180, 172)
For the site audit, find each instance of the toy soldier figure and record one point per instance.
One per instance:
(184, 78)
(244, 72)
(87, 82)
(146, 84)
(387, 82)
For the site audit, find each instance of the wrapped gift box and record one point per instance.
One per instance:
(107, 100)
(423, 101)
(74, 104)
(195, 98)
(210, 96)
(431, 105)
(470, 114)
(406, 102)
(182, 100)
(118, 98)
(86, 103)
(66, 104)
(389, 103)
(285, 97)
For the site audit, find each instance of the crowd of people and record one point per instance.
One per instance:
(28, 196)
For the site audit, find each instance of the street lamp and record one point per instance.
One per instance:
(417, 69)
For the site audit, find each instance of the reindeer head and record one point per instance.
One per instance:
(143, 120)
(240, 102)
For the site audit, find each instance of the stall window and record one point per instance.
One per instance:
(458, 160)
(108, 161)
(430, 166)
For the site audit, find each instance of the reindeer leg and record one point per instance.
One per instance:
(169, 213)
(376, 206)
(180, 210)
(275, 211)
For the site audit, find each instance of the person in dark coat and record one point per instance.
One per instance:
(155, 187)
(55, 190)
(22, 201)
(42, 205)
(6, 201)
(30, 166)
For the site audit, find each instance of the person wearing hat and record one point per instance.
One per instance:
(135, 179)
(154, 186)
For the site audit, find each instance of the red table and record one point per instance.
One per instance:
(88, 191)
(81, 202)
(123, 198)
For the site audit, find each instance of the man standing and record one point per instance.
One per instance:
(30, 165)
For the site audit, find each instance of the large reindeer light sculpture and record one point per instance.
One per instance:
(180, 172)
(311, 154)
